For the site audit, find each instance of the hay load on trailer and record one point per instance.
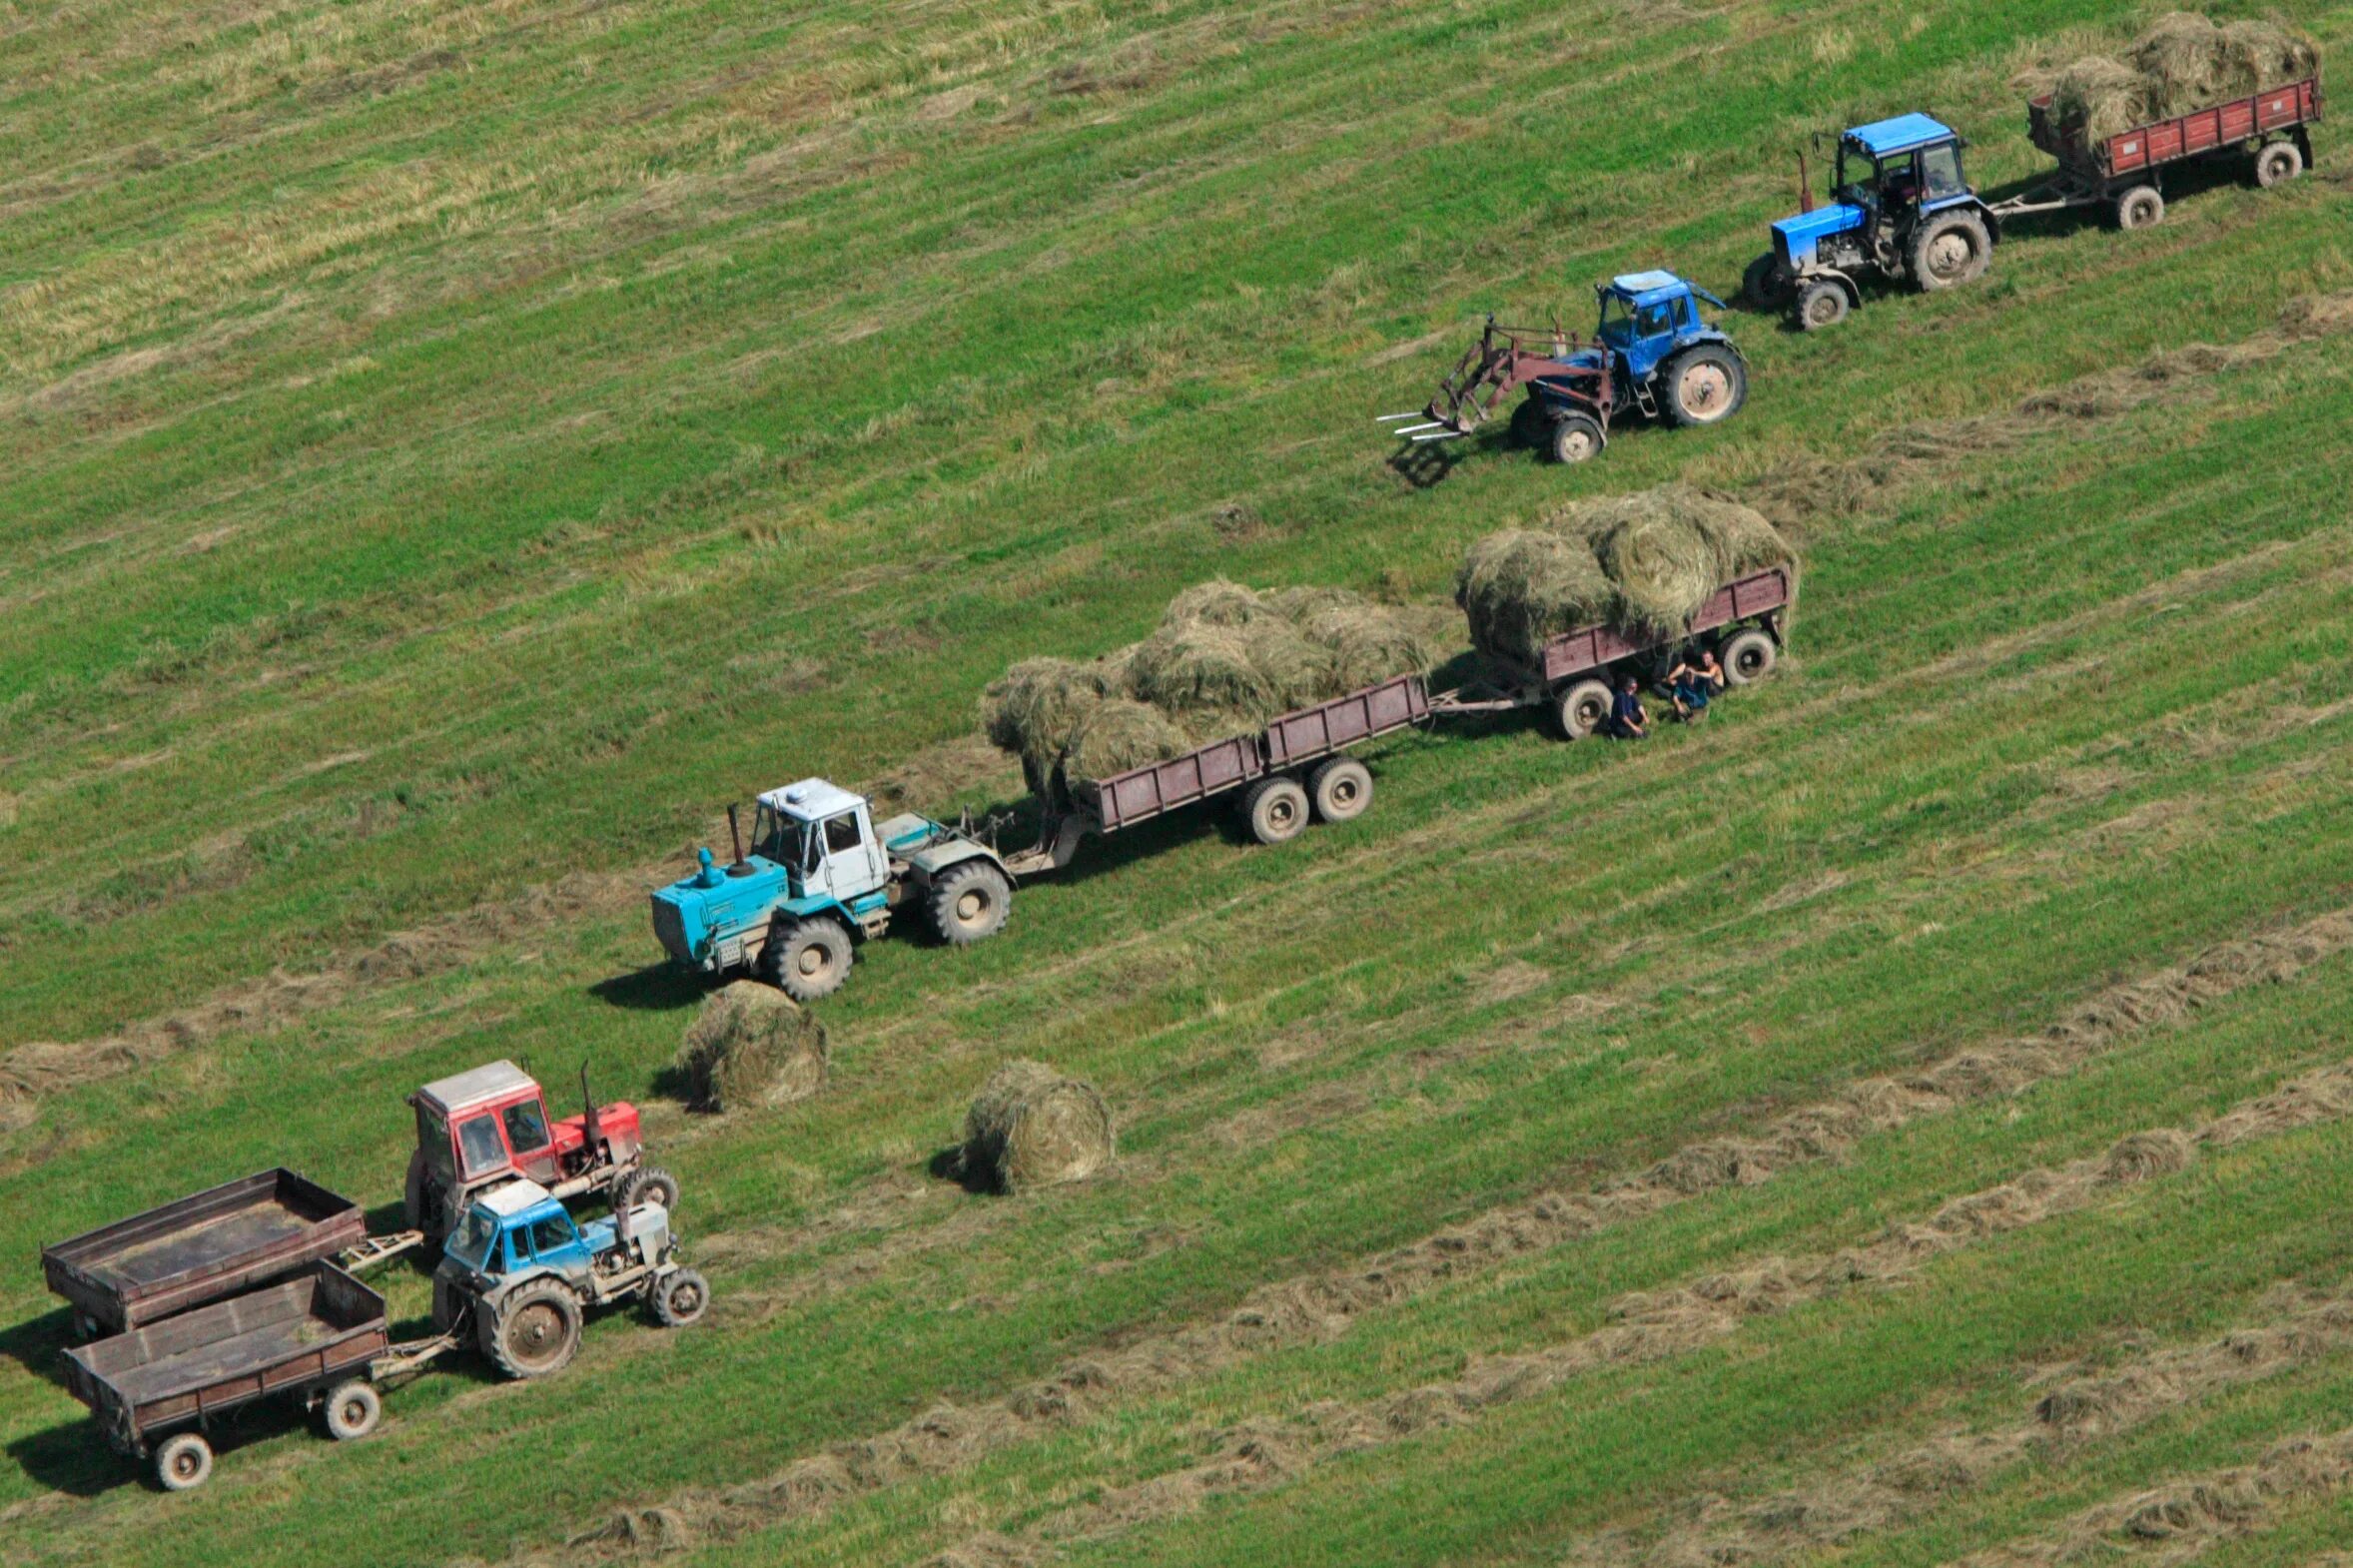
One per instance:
(2183, 63)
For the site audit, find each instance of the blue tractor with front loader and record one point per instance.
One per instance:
(1652, 352)
(1901, 210)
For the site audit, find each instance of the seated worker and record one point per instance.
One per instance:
(1627, 719)
(1695, 678)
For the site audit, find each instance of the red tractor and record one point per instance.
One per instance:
(484, 1129)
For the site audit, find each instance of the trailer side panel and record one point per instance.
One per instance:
(1328, 727)
(1589, 648)
(1126, 799)
(2160, 142)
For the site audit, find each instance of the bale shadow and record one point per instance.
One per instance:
(959, 1163)
(658, 987)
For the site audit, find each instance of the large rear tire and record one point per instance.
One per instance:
(1748, 657)
(1951, 248)
(1766, 286)
(681, 1299)
(807, 959)
(1705, 384)
(1276, 810)
(184, 1462)
(1581, 710)
(970, 901)
(1576, 437)
(535, 1332)
(2278, 163)
(647, 1185)
(413, 1194)
(353, 1409)
(1822, 304)
(1340, 788)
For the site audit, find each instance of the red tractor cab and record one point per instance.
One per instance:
(483, 1129)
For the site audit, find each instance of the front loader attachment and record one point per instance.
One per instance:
(1502, 360)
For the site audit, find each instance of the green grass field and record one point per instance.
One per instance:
(454, 449)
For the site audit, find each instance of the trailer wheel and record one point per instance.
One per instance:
(1576, 437)
(681, 1299)
(2278, 163)
(807, 959)
(184, 1462)
(1766, 286)
(2140, 208)
(1276, 810)
(970, 900)
(534, 1333)
(650, 1184)
(1950, 250)
(1706, 384)
(1748, 657)
(1580, 710)
(1341, 789)
(1822, 304)
(353, 1409)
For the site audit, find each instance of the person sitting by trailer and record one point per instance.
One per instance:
(1695, 679)
(1628, 720)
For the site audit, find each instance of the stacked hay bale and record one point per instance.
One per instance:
(2183, 63)
(1029, 1127)
(1223, 661)
(1641, 564)
(751, 1046)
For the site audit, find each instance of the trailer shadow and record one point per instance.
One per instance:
(72, 1458)
(38, 1345)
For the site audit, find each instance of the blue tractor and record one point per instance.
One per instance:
(1901, 210)
(1652, 352)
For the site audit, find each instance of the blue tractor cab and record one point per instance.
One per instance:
(1901, 208)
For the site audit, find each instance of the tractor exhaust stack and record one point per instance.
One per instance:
(734, 839)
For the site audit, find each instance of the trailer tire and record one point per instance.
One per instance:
(1748, 657)
(1580, 710)
(1951, 248)
(807, 959)
(535, 1332)
(2140, 208)
(351, 1411)
(1575, 438)
(1275, 809)
(2278, 163)
(184, 1462)
(681, 1299)
(969, 902)
(1822, 304)
(1340, 789)
(648, 1185)
(1705, 384)
(1766, 286)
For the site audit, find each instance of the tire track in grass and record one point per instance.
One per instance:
(1321, 1307)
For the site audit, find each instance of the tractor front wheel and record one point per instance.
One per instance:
(1766, 286)
(1575, 438)
(2140, 208)
(1531, 422)
(1706, 384)
(969, 902)
(184, 1462)
(1821, 304)
(1951, 249)
(681, 1299)
(807, 959)
(1580, 710)
(2278, 163)
(535, 1332)
(649, 1185)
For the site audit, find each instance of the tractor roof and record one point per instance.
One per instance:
(1883, 138)
(471, 1087)
(516, 1197)
(810, 800)
(1652, 288)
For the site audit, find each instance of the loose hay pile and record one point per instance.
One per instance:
(1223, 661)
(751, 1046)
(2181, 64)
(1029, 1127)
(1642, 565)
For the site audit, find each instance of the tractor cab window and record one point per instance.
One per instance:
(1617, 322)
(1859, 177)
(552, 1235)
(769, 836)
(527, 1127)
(478, 1146)
(841, 832)
(1940, 172)
(471, 1245)
(433, 1141)
(1654, 321)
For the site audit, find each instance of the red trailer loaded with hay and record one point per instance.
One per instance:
(2125, 171)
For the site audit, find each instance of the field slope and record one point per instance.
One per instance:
(454, 449)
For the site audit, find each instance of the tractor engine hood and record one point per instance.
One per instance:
(715, 903)
(1559, 390)
(1797, 236)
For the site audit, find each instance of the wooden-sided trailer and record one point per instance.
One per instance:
(2125, 172)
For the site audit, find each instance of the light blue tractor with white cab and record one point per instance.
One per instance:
(820, 876)
(1901, 209)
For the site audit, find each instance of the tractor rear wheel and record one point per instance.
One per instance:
(534, 1333)
(1275, 809)
(970, 900)
(184, 1462)
(807, 959)
(1748, 657)
(1766, 286)
(1706, 384)
(682, 1298)
(412, 1194)
(2140, 208)
(1341, 789)
(648, 1185)
(353, 1409)
(1576, 437)
(2278, 163)
(1580, 710)
(1951, 248)
(1821, 304)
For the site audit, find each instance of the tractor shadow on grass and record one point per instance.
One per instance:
(658, 987)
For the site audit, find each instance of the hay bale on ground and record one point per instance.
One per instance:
(1031, 1126)
(751, 1046)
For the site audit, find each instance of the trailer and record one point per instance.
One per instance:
(155, 1390)
(2124, 172)
(201, 1248)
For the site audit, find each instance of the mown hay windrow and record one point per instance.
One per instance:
(1029, 1127)
(2182, 63)
(750, 1046)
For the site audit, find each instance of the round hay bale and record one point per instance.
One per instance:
(1361, 644)
(751, 1046)
(1203, 667)
(1119, 733)
(1217, 603)
(1031, 708)
(1029, 1127)
(2106, 94)
(1663, 567)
